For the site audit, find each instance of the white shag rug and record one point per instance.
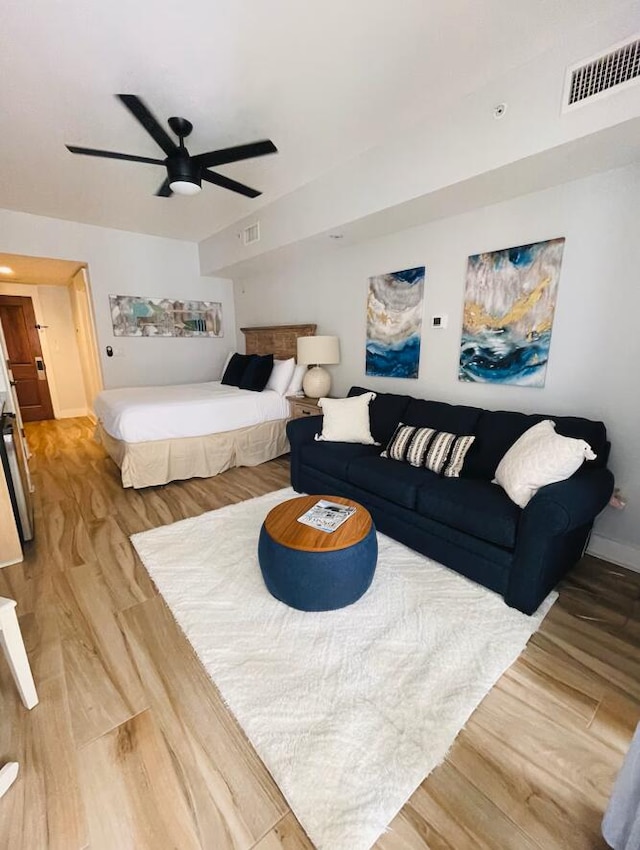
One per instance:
(350, 710)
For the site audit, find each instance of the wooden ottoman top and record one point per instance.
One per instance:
(283, 527)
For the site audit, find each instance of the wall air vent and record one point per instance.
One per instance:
(599, 76)
(251, 234)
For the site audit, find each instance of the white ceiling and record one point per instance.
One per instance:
(324, 79)
(38, 270)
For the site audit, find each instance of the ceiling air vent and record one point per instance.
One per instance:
(595, 78)
(251, 234)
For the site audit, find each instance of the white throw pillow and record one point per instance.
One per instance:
(539, 457)
(280, 376)
(295, 387)
(346, 420)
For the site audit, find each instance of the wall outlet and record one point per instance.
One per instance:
(439, 321)
(618, 500)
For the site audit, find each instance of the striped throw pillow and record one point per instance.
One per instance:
(438, 451)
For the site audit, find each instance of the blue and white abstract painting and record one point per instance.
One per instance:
(394, 323)
(509, 304)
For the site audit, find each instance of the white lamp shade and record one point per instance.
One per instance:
(315, 350)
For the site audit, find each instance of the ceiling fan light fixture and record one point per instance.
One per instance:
(184, 179)
(185, 187)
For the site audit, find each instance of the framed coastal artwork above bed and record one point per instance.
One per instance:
(394, 323)
(137, 316)
(509, 305)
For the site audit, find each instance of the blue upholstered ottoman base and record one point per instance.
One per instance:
(318, 581)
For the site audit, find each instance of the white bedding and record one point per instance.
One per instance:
(142, 414)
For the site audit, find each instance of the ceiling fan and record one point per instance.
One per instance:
(185, 173)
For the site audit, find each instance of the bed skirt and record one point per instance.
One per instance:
(160, 461)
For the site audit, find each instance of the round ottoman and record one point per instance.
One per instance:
(314, 570)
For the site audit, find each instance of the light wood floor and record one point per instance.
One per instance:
(131, 746)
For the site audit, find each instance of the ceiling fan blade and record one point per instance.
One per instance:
(165, 190)
(226, 183)
(235, 154)
(149, 122)
(113, 155)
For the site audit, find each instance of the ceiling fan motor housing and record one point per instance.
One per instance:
(181, 168)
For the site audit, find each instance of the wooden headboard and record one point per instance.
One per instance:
(279, 340)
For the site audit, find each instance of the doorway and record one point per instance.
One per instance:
(24, 355)
(60, 295)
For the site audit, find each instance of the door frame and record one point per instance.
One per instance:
(91, 333)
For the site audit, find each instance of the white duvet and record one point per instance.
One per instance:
(141, 414)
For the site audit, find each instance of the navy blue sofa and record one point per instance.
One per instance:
(466, 523)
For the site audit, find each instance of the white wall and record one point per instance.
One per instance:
(122, 263)
(65, 358)
(595, 347)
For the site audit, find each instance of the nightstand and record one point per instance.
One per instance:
(300, 406)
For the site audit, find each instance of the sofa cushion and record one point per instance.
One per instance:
(498, 430)
(457, 419)
(397, 482)
(476, 507)
(385, 411)
(334, 458)
(417, 531)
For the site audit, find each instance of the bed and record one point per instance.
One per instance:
(161, 434)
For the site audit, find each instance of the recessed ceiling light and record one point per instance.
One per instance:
(5, 270)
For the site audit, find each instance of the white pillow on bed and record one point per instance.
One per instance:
(295, 387)
(281, 374)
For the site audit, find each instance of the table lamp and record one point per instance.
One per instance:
(314, 351)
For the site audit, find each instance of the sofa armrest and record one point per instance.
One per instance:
(562, 507)
(558, 508)
(552, 533)
(303, 430)
(299, 432)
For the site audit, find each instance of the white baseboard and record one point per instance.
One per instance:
(11, 563)
(622, 554)
(72, 413)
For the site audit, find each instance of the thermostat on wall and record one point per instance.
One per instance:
(439, 321)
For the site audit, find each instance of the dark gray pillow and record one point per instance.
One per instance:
(257, 373)
(235, 369)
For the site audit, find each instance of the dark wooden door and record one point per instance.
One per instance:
(25, 357)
